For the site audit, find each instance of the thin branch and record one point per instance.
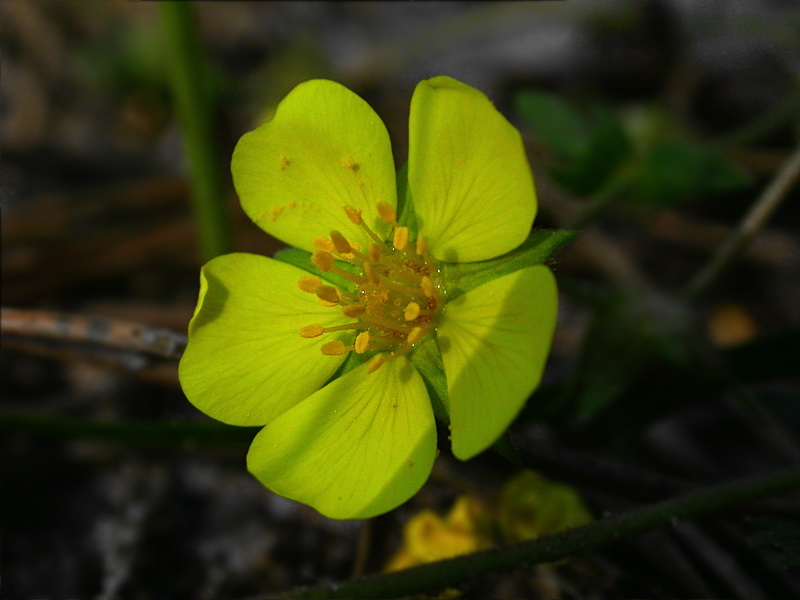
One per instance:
(98, 331)
(461, 570)
(766, 204)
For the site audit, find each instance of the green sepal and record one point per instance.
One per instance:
(427, 358)
(352, 361)
(536, 250)
(406, 216)
(505, 448)
(302, 260)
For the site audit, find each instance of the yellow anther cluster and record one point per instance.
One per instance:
(396, 301)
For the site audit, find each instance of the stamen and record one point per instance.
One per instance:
(354, 215)
(347, 275)
(414, 336)
(411, 312)
(353, 310)
(375, 252)
(386, 212)
(376, 363)
(400, 240)
(362, 342)
(335, 348)
(309, 284)
(323, 260)
(426, 283)
(394, 302)
(329, 294)
(340, 243)
(323, 244)
(422, 246)
(312, 331)
(371, 274)
(346, 327)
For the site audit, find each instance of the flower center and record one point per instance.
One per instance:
(397, 300)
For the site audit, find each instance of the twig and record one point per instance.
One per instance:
(766, 204)
(102, 331)
(464, 569)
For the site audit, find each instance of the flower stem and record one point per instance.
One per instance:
(194, 109)
(460, 570)
(763, 208)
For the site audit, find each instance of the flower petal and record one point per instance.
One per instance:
(246, 362)
(359, 447)
(324, 149)
(468, 174)
(495, 340)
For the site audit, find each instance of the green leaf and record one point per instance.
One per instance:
(675, 171)
(427, 358)
(609, 147)
(302, 259)
(589, 149)
(562, 128)
(536, 250)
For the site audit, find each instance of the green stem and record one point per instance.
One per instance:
(763, 208)
(437, 576)
(135, 433)
(194, 113)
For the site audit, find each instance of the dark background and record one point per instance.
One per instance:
(692, 104)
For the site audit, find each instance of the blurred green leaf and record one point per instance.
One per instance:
(674, 171)
(560, 127)
(589, 149)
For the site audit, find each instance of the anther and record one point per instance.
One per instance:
(353, 310)
(414, 336)
(323, 260)
(411, 312)
(323, 244)
(426, 283)
(329, 294)
(386, 212)
(371, 274)
(312, 331)
(374, 252)
(400, 238)
(354, 215)
(334, 348)
(362, 342)
(340, 243)
(422, 246)
(376, 363)
(309, 284)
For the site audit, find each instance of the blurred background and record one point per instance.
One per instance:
(652, 128)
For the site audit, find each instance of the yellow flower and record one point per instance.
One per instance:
(336, 359)
(531, 505)
(429, 538)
